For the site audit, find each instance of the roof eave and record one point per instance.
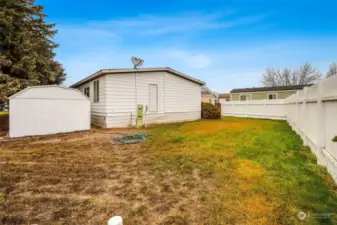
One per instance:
(107, 71)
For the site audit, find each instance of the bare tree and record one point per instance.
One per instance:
(332, 70)
(306, 74)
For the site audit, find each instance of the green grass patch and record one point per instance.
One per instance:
(258, 170)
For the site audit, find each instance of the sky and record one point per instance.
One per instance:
(227, 44)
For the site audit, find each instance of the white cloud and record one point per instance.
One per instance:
(161, 25)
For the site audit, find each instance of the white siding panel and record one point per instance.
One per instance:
(181, 95)
(171, 117)
(97, 108)
(143, 84)
(121, 100)
(122, 92)
(121, 120)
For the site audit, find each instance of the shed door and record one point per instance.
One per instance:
(153, 102)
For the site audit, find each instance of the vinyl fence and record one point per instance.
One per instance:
(312, 113)
(267, 109)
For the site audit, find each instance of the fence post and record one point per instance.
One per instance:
(321, 121)
(247, 116)
(305, 125)
(297, 105)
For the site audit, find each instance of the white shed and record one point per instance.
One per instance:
(165, 94)
(43, 110)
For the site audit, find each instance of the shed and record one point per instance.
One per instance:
(51, 109)
(165, 94)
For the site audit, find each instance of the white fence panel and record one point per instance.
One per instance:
(267, 109)
(312, 113)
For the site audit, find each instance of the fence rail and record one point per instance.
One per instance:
(312, 113)
(268, 109)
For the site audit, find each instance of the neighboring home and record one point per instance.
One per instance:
(208, 96)
(277, 92)
(166, 95)
(225, 96)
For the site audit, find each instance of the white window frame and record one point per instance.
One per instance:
(249, 95)
(96, 91)
(272, 94)
(86, 91)
(153, 111)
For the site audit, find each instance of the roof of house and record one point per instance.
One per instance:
(224, 95)
(138, 70)
(275, 88)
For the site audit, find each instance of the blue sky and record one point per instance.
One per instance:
(227, 44)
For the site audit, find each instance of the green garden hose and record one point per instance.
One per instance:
(131, 138)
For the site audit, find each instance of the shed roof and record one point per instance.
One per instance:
(138, 70)
(49, 92)
(275, 88)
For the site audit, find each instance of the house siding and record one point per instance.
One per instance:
(97, 109)
(181, 95)
(262, 95)
(178, 98)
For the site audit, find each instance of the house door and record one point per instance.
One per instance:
(153, 98)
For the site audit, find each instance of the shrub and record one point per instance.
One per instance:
(209, 111)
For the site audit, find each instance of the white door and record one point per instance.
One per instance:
(153, 100)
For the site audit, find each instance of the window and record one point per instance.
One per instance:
(244, 97)
(96, 91)
(153, 101)
(87, 91)
(272, 96)
(210, 100)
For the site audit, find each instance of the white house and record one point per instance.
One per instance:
(48, 109)
(166, 95)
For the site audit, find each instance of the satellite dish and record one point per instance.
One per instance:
(137, 62)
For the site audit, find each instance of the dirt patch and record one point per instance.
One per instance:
(85, 179)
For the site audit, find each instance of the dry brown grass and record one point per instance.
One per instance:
(85, 179)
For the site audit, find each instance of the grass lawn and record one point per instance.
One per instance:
(231, 171)
(4, 113)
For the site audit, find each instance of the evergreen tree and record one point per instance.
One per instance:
(26, 48)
